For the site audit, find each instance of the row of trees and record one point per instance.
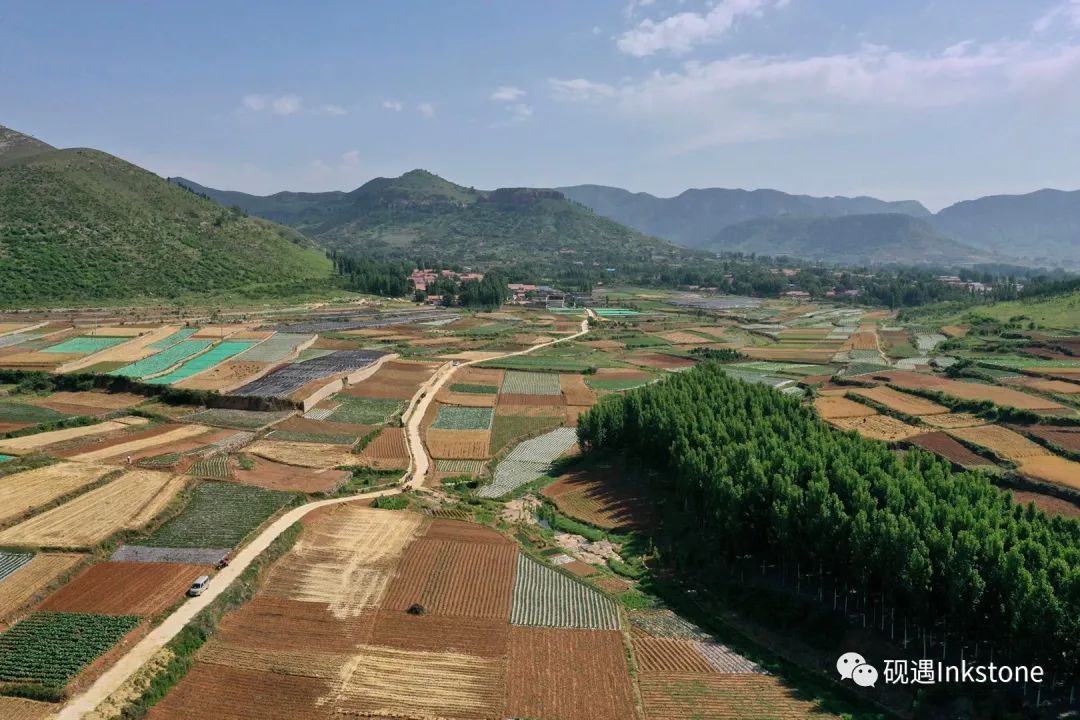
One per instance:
(760, 474)
(362, 274)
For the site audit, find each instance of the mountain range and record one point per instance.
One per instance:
(1042, 227)
(83, 226)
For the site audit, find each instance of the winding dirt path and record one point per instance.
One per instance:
(419, 466)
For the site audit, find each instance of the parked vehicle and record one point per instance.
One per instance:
(198, 586)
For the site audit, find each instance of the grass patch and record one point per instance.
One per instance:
(615, 384)
(17, 412)
(365, 411)
(475, 389)
(454, 417)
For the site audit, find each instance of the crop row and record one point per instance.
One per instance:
(544, 597)
(219, 515)
(51, 648)
(531, 383)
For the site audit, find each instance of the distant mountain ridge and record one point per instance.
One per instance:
(421, 215)
(1040, 227)
(80, 225)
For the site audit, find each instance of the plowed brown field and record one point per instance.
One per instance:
(948, 448)
(271, 623)
(277, 476)
(601, 497)
(467, 636)
(458, 444)
(235, 694)
(387, 450)
(568, 674)
(458, 579)
(1062, 436)
(575, 391)
(655, 654)
(531, 400)
(125, 588)
(831, 408)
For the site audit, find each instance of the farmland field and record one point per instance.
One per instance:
(568, 674)
(531, 383)
(276, 348)
(387, 450)
(218, 354)
(831, 408)
(27, 443)
(162, 361)
(21, 586)
(85, 345)
(14, 708)
(125, 588)
(313, 455)
(600, 497)
(463, 418)
(900, 402)
(877, 427)
(286, 380)
(458, 444)
(183, 432)
(216, 467)
(948, 448)
(242, 419)
(690, 696)
(365, 411)
(219, 515)
(10, 562)
(51, 648)
(544, 597)
(24, 491)
(456, 579)
(130, 501)
(528, 461)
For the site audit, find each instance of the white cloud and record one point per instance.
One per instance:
(682, 32)
(426, 109)
(394, 105)
(350, 159)
(751, 97)
(288, 104)
(1067, 12)
(580, 90)
(507, 93)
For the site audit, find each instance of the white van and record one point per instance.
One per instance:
(198, 586)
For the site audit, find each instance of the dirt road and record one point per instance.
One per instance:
(419, 465)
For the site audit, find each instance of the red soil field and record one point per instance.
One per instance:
(568, 674)
(100, 442)
(950, 449)
(1067, 438)
(388, 445)
(1049, 504)
(223, 692)
(575, 390)
(462, 531)
(431, 633)
(601, 497)
(395, 380)
(278, 476)
(269, 623)
(125, 588)
(11, 427)
(655, 654)
(660, 360)
(612, 584)
(458, 579)
(579, 568)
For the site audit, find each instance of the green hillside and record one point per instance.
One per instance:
(81, 226)
(420, 215)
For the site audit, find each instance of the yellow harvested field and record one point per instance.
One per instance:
(948, 421)
(345, 559)
(226, 376)
(679, 337)
(998, 395)
(1052, 468)
(259, 335)
(126, 502)
(458, 444)
(38, 359)
(900, 401)
(181, 433)
(382, 681)
(1047, 386)
(878, 427)
(212, 332)
(24, 491)
(302, 454)
(1002, 442)
(792, 354)
(10, 327)
(447, 397)
(13, 708)
(840, 407)
(29, 443)
(23, 586)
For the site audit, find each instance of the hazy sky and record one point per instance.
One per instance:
(936, 101)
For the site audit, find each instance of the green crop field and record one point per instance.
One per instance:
(178, 336)
(86, 345)
(162, 361)
(216, 467)
(453, 417)
(365, 411)
(475, 389)
(531, 383)
(219, 354)
(51, 648)
(16, 412)
(219, 515)
(508, 428)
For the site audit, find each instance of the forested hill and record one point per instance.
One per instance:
(15, 145)
(694, 217)
(756, 474)
(851, 239)
(81, 226)
(420, 215)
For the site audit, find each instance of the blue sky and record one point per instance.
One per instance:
(935, 101)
